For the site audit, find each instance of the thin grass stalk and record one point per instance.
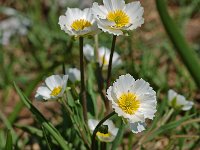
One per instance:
(83, 89)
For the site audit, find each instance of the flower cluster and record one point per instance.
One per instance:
(113, 17)
(133, 100)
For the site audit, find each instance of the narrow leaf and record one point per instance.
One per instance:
(9, 142)
(41, 119)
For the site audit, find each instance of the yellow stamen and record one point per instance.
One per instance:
(80, 24)
(103, 135)
(56, 91)
(119, 17)
(128, 103)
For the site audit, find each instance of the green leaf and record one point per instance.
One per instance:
(189, 57)
(31, 130)
(119, 136)
(70, 99)
(41, 119)
(9, 142)
(46, 137)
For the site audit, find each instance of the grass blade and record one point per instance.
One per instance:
(188, 56)
(9, 142)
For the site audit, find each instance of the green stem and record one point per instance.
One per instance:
(83, 89)
(166, 117)
(109, 71)
(97, 127)
(189, 57)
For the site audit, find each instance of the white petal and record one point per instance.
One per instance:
(171, 95)
(53, 81)
(106, 28)
(88, 14)
(137, 116)
(141, 87)
(88, 52)
(187, 106)
(137, 127)
(92, 123)
(113, 5)
(123, 84)
(63, 84)
(134, 10)
(99, 11)
(43, 92)
(62, 21)
(74, 74)
(136, 23)
(180, 100)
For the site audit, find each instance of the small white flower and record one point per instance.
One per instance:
(53, 88)
(104, 137)
(178, 101)
(78, 22)
(12, 26)
(103, 54)
(88, 52)
(115, 16)
(74, 74)
(132, 99)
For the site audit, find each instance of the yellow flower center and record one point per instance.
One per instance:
(103, 60)
(119, 17)
(80, 24)
(103, 135)
(56, 91)
(128, 103)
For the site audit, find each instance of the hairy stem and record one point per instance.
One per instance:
(83, 90)
(97, 127)
(107, 104)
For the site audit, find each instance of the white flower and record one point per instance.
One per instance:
(53, 88)
(132, 99)
(178, 101)
(115, 16)
(103, 54)
(88, 52)
(104, 137)
(12, 26)
(74, 74)
(78, 22)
